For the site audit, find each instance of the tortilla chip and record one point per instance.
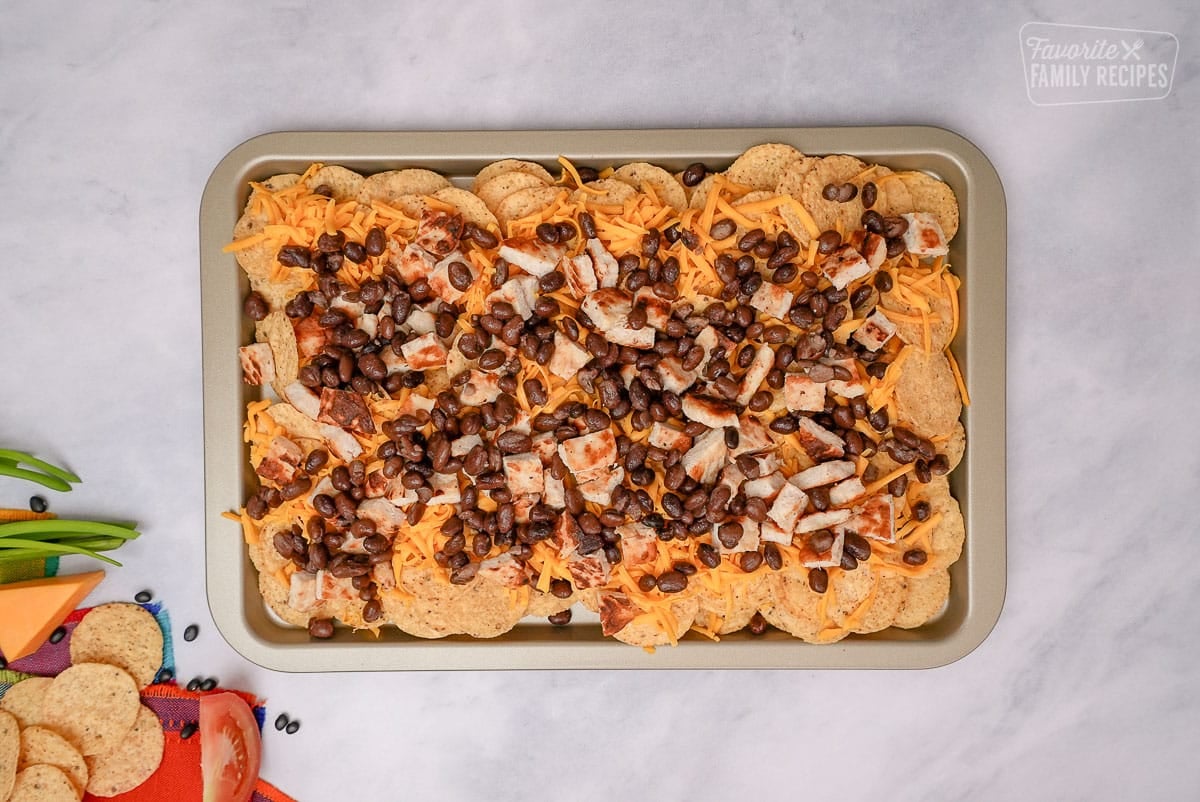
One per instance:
(122, 635)
(662, 183)
(933, 196)
(941, 319)
(927, 398)
(894, 197)
(40, 745)
(791, 182)
(698, 195)
(762, 166)
(132, 762)
(525, 202)
(543, 604)
(890, 591)
(792, 605)
(24, 700)
(392, 186)
(500, 187)
(735, 611)
(924, 599)
(833, 170)
(275, 595)
(646, 629)
(612, 193)
(950, 532)
(955, 446)
(345, 184)
(10, 751)
(471, 207)
(43, 784)
(276, 330)
(93, 705)
(510, 166)
(435, 608)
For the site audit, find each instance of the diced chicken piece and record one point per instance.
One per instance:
(332, 588)
(532, 255)
(616, 611)
(752, 437)
(658, 311)
(581, 275)
(383, 575)
(415, 402)
(355, 545)
(522, 423)
(594, 451)
(503, 569)
(512, 292)
(628, 374)
(280, 461)
(439, 278)
(772, 299)
(639, 544)
(302, 592)
(445, 489)
(258, 364)
(844, 265)
(831, 557)
(768, 532)
(875, 331)
(604, 263)
(821, 520)
(706, 457)
(425, 352)
(709, 411)
(766, 463)
(311, 337)
(569, 358)
(412, 263)
(480, 388)
(369, 324)
(818, 442)
(825, 473)
(545, 446)
(400, 495)
(764, 360)
(555, 493)
(325, 485)
(674, 378)
(393, 362)
(764, 487)
(607, 308)
(924, 236)
(625, 334)
(732, 477)
(463, 445)
(588, 572)
(386, 516)
(341, 443)
(802, 394)
(846, 491)
(875, 519)
(600, 485)
(666, 436)
(524, 473)
(709, 339)
(788, 506)
(846, 389)
(523, 505)
(439, 232)
(566, 534)
(750, 540)
(305, 401)
(352, 309)
(346, 409)
(872, 247)
(421, 321)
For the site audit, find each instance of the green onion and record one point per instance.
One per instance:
(16, 549)
(53, 526)
(47, 475)
(34, 540)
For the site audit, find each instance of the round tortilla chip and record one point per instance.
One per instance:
(646, 629)
(734, 613)
(848, 590)
(791, 182)
(955, 446)
(543, 604)
(792, 605)
(275, 595)
(344, 184)
(392, 185)
(437, 609)
(24, 700)
(934, 196)
(276, 331)
(941, 319)
(833, 170)
(927, 398)
(500, 187)
(93, 705)
(762, 166)
(894, 197)
(132, 762)
(47, 747)
(948, 535)
(41, 783)
(470, 206)
(525, 202)
(122, 635)
(698, 195)
(924, 599)
(10, 751)
(510, 166)
(662, 183)
(890, 590)
(612, 193)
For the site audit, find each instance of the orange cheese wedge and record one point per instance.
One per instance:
(31, 610)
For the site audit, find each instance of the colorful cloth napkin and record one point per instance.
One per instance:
(178, 778)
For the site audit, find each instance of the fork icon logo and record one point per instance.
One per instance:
(1068, 64)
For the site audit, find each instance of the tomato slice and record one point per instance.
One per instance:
(230, 748)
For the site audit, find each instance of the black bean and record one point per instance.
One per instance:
(193, 684)
(554, 280)
(460, 276)
(915, 557)
(818, 580)
(749, 561)
(293, 256)
(143, 596)
(857, 546)
(772, 556)
(828, 242)
(281, 721)
(188, 730)
(672, 582)
(561, 618)
(355, 252)
(294, 726)
(587, 224)
(58, 634)
(255, 307)
(375, 242)
(547, 233)
(191, 632)
(722, 229)
(873, 221)
(693, 174)
(208, 684)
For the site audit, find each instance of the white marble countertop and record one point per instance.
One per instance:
(112, 116)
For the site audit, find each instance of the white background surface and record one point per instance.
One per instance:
(113, 114)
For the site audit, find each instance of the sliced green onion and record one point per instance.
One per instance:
(9, 468)
(55, 526)
(25, 458)
(16, 549)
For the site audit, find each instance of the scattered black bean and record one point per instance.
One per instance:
(693, 174)
(58, 634)
(281, 721)
(193, 684)
(208, 684)
(191, 632)
(292, 728)
(143, 596)
(188, 730)
(38, 504)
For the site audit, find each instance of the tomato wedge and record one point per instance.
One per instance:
(230, 748)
